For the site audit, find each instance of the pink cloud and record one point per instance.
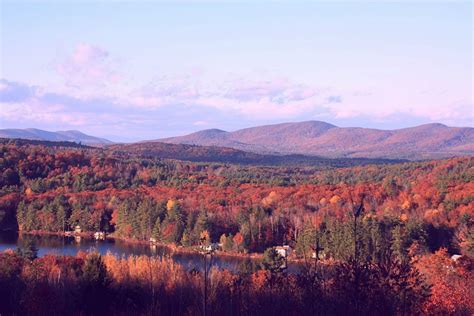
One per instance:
(278, 90)
(88, 65)
(86, 53)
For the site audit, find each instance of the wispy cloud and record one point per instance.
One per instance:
(257, 98)
(278, 90)
(200, 123)
(88, 65)
(176, 104)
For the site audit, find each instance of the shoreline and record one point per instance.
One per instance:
(171, 247)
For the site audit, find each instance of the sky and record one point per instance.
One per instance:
(149, 69)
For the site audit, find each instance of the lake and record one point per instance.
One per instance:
(61, 245)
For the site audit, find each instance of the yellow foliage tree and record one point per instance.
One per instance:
(205, 237)
(335, 199)
(406, 205)
(170, 204)
(269, 199)
(28, 191)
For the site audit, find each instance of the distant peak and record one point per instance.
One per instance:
(435, 125)
(313, 122)
(427, 126)
(72, 131)
(211, 131)
(38, 134)
(215, 130)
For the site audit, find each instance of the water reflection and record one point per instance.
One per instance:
(61, 245)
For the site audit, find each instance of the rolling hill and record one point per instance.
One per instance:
(197, 153)
(323, 139)
(69, 136)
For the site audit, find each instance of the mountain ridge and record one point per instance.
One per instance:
(432, 140)
(309, 138)
(39, 134)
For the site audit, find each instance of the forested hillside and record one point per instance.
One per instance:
(235, 156)
(54, 189)
(393, 226)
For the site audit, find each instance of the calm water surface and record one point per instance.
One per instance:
(61, 245)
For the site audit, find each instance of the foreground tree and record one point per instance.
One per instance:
(273, 261)
(28, 249)
(452, 291)
(94, 284)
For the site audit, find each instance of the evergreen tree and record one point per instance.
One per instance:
(186, 240)
(31, 219)
(172, 227)
(156, 229)
(123, 226)
(95, 282)
(227, 242)
(189, 237)
(21, 212)
(202, 223)
(62, 212)
(28, 249)
(94, 272)
(306, 241)
(273, 261)
(80, 215)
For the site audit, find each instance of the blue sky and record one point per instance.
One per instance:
(144, 70)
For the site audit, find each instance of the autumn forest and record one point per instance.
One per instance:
(393, 239)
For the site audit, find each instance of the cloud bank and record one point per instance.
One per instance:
(97, 97)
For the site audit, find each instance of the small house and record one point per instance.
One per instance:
(77, 229)
(284, 251)
(99, 235)
(211, 247)
(321, 255)
(455, 258)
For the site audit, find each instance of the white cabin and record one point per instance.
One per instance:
(284, 251)
(455, 258)
(77, 229)
(99, 235)
(210, 247)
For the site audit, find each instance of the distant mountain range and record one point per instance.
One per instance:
(327, 140)
(59, 136)
(295, 141)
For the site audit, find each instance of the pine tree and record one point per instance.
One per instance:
(202, 223)
(28, 249)
(21, 215)
(306, 241)
(61, 214)
(227, 242)
(31, 220)
(273, 261)
(95, 281)
(156, 229)
(172, 227)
